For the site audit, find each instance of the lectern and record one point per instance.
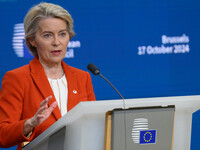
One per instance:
(83, 127)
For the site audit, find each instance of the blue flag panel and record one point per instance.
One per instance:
(148, 137)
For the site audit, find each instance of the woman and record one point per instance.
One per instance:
(36, 95)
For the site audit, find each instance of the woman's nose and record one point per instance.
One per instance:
(56, 41)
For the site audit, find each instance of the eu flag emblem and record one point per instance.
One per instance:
(147, 136)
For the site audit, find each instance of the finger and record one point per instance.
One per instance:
(39, 116)
(41, 109)
(45, 101)
(52, 106)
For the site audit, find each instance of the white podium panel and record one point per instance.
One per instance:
(84, 125)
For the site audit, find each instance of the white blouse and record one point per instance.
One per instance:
(60, 90)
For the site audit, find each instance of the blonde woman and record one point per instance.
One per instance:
(36, 95)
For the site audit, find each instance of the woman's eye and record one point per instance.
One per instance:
(47, 36)
(63, 34)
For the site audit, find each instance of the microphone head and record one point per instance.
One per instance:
(92, 68)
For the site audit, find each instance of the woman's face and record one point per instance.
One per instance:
(51, 40)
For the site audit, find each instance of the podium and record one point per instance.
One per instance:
(83, 127)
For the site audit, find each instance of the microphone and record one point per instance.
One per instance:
(92, 68)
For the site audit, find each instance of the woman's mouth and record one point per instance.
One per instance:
(56, 52)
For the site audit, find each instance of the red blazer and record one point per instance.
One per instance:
(22, 91)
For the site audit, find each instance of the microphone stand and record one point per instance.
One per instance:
(96, 71)
(123, 105)
(114, 89)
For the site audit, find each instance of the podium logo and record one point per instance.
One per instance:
(141, 133)
(21, 50)
(138, 125)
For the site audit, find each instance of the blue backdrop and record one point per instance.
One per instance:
(145, 48)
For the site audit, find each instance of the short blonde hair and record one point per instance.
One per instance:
(41, 11)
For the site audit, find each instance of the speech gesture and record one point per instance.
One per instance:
(40, 116)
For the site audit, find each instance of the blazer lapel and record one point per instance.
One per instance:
(73, 91)
(41, 81)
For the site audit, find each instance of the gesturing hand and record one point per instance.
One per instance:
(40, 116)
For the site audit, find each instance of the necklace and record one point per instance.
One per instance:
(58, 77)
(53, 74)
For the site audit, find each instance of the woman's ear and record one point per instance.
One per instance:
(32, 42)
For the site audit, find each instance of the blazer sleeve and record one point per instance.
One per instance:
(11, 107)
(89, 86)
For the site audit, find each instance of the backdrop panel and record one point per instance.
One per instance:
(145, 48)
